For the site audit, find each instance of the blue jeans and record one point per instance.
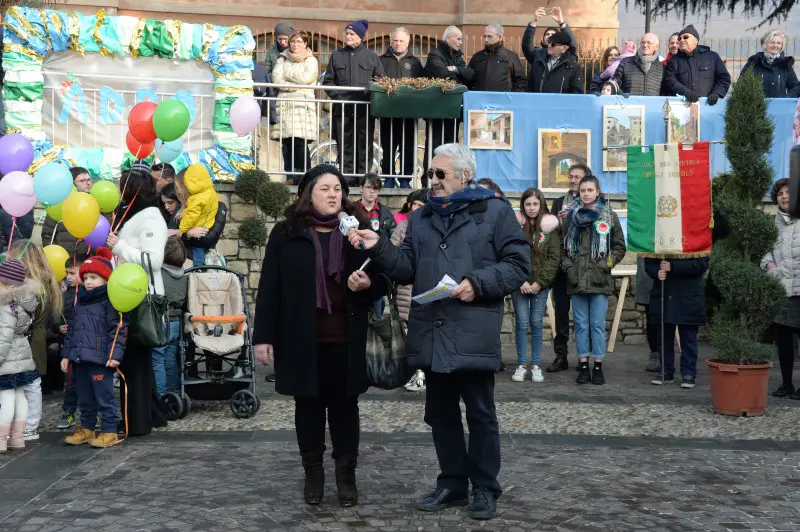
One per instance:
(165, 362)
(688, 348)
(529, 310)
(589, 314)
(70, 395)
(198, 256)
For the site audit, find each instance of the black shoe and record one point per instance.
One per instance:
(669, 378)
(795, 395)
(597, 375)
(346, 481)
(687, 381)
(314, 485)
(559, 364)
(584, 374)
(502, 367)
(783, 391)
(484, 504)
(440, 499)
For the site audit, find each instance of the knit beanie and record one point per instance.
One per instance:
(317, 171)
(691, 31)
(100, 264)
(284, 27)
(12, 272)
(359, 26)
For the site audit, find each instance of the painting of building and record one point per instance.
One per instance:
(491, 130)
(623, 125)
(683, 122)
(558, 150)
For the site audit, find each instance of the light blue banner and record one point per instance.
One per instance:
(517, 169)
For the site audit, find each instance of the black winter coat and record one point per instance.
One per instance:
(483, 244)
(684, 296)
(352, 67)
(286, 312)
(566, 77)
(536, 55)
(93, 331)
(442, 57)
(632, 79)
(22, 231)
(68, 297)
(214, 234)
(703, 73)
(778, 79)
(408, 66)
(497, 71)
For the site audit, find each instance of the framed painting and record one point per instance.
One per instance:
(683, 122)
(491, 130)
(623, 125)
(558, 150)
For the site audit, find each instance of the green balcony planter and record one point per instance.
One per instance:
(407, 102)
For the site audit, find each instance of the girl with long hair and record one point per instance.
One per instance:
(593, 245)
(530, 301)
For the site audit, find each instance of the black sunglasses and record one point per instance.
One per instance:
(439, 173)
(685, 37)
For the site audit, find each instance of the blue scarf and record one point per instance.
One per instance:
(597, 219)
(397, 54)
(448, 206)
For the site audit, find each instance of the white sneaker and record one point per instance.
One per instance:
(536, 374)
(417, 382)
(31, 434)
(238, 373)
(520, 374)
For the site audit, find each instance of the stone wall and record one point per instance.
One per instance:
(247, 261)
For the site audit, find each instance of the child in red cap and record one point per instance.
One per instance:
(95, 347)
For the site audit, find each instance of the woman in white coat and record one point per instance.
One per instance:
(298, 124)
(140, 232)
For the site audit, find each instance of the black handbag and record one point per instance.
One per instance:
(387, 366)
(149, 326)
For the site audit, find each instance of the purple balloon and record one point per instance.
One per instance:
(16, 153)
(99, 234)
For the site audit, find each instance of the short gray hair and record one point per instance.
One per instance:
(401, 29)
(496, 27)
(773, 33)
(463, 158)
(450, 30)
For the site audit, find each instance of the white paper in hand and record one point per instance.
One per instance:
(442, 290)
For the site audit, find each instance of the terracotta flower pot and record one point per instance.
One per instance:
(738, 390)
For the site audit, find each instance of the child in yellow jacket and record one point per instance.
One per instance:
(201, 206)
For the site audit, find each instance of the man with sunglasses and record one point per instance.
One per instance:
(470, 234)
(696, 71)
(557, 71)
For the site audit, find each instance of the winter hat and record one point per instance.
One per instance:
(12, 272)
(691, 31)
(561, 37)
(99, 264)
(317, 171)
(359, 26)
(613, 84)
(284, 27)
(140, 166)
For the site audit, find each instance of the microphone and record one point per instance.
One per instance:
(348, 223)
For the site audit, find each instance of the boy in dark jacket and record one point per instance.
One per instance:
(95, 344)
(58, 333)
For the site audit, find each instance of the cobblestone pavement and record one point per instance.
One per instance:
(253, 481)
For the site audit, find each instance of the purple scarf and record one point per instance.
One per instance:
(335, 257)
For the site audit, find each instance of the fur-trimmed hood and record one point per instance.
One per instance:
(24, 295)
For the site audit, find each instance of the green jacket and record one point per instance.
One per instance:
(544, 266)
(588, 276)
(271, 60)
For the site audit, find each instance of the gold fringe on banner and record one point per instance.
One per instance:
(648, 255)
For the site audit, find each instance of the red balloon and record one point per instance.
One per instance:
(140, 122)
(140, 150)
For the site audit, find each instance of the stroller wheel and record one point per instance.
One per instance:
(187, 405)
(173, 406)
(244, 404)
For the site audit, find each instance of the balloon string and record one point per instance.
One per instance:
(124, 382)
(11, 237)
(133, 200)
(75, 265)
(28, 243)
(53, 236)
(155, 156)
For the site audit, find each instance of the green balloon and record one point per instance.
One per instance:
(127, 286)
(171, 120)
(54, 212)
(107, 195)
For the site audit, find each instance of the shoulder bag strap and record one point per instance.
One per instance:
(149, 270)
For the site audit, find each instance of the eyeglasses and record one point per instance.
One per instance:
(84, 181)
(438, 172)
(685, 37)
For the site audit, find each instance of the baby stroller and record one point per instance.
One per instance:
(216, 353)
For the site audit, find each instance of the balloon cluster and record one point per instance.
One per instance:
(157, 128)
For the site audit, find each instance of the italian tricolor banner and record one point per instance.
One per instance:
(669, 199)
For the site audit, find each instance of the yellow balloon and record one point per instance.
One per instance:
(57, 258)
(80, 213)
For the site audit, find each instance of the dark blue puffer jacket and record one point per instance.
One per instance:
(91, 333)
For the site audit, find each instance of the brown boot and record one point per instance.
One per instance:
(346, 481)
(4, 430)
(16, 440)
(314, 487)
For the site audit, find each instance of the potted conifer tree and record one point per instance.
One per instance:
(749, 299)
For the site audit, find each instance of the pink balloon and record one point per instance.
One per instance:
(99, 234)
(16, 193)
(245, 115)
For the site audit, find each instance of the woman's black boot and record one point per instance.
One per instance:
(346, 481)
(314, 487)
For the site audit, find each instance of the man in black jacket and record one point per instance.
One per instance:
(497, 69)
(696, 71)
(446, 61)
(353, 66)
(558, 71)
(641, 74)
(400, 133)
